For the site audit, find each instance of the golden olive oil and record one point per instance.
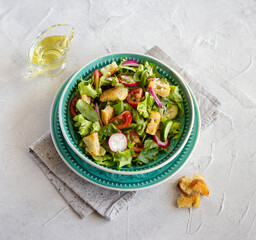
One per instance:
(49, 50)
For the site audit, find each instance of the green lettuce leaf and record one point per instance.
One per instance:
(144, 77)
(163, 119)
(107, 82)
(108, 130)
(150, 100)
(154, 70)
(84, 126)
(181, 110)
(175, 130)
(150, 143)
(147, 155)
(81, 143)
(140, 122)
(144, 107)
(106, 160)
(174, 94)
(131, 144)
(128, 107)
(124, 158)
(95, 127)
(136, 76)
(87, 110)
(149, 71)
(126, 69)
(145, 71)
(85, 87)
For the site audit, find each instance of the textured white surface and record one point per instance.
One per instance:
(213, 40)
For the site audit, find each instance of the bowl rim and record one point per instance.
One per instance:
(103, 168)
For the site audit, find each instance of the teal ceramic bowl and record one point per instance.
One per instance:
(114, 181)
(163, 158)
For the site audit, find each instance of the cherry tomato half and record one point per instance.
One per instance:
(97, 76)
(122, 120)
(72, 107)
(134, 96)
(133, 136)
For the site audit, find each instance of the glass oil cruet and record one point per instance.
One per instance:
(48, 52)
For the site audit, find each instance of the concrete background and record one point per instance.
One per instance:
(215, 43)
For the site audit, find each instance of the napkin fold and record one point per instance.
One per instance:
(81, 195)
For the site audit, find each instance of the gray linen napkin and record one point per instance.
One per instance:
(85, 197)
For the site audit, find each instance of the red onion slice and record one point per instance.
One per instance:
(131, 63)
(122, 78)
(98, 113)
(117, 142)
(161, 143)
(155, 97)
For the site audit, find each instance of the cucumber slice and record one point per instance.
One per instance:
(165, 130)
(172, 112)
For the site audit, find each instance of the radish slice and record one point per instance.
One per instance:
(98, 113)
(124, 78)
(155, 97)
(131, 63)
(117, 142)
(161, 143)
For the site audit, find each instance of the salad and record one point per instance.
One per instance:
(126, 114)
